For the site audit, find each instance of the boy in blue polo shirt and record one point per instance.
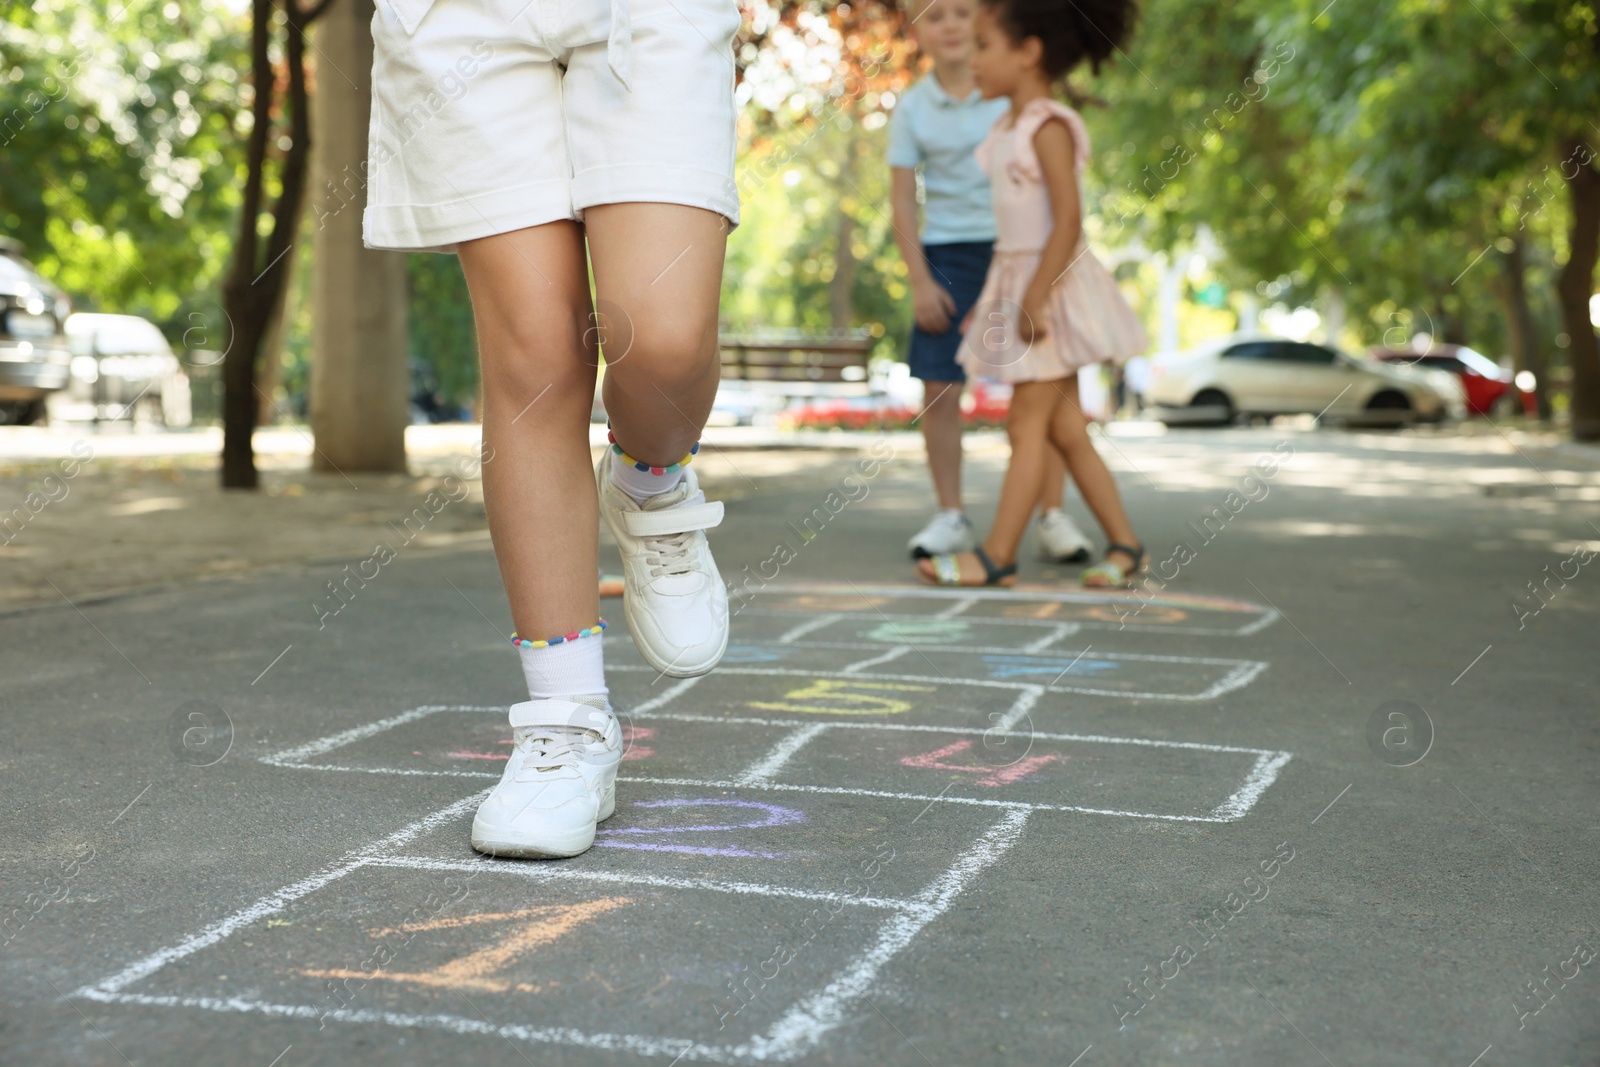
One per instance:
(934, 128)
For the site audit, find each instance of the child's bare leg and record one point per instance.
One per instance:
(1027, 425)
(1027, 428)
(658, 277)
(1055, 475)
(941, 434)
(1069, 432)
(530, 300)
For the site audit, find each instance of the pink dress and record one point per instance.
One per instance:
(1087, 319)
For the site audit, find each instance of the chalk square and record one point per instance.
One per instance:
(457, 949)
(766, 840)
(1121, 776)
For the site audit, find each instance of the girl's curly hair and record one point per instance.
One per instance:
(1071, 31)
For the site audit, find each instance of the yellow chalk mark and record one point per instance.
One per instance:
(839, 691)
(476, 970)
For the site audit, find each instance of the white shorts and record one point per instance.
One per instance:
(493, 115)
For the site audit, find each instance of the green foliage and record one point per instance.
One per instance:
(441, 329)
(782, 258)
(121, 158)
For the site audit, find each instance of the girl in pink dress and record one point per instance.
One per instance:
(1048, 307)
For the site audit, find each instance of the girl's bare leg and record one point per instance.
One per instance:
(530, 301)
(1027, 426)
(658, 279)
(1069, 432)
(1055, 476)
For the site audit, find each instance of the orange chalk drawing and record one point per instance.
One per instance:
(990, 776)
(477, 971)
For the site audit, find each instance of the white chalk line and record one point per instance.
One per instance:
(958, 607)
(981, 683)
(803, 1026)
(901, 727)
(1254, 626)
(769, 765)
(636, 1043)
(872, 661)
(666, 696)
(796, 632)
(1018, 652)
(276, 902)
(1019, 710)
(943, 798)
(1261, 776)
(1057, 632)
(550, 872)
(1270, 616)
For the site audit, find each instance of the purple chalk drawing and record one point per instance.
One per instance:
(771, 815)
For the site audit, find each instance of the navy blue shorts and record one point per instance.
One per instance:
(961, 268)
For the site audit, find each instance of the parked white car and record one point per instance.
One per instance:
(1267, 376)
(123, 368)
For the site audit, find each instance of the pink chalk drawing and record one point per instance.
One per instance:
(630, 751)
(991, 776)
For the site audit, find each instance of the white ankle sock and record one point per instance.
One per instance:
(642, 485)
(572, 670)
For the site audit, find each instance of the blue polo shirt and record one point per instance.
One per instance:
(932, 131)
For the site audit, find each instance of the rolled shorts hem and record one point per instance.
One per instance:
(440, 227)
(641, 183)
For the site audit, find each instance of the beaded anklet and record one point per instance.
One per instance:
(637, 465)
(593, 631)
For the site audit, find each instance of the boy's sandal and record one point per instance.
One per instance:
(947, 570)
(1108, 575)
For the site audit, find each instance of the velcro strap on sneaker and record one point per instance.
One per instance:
(672, 520)
(556, 712)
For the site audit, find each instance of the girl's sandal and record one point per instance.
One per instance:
(1108, 575)
(947, 570)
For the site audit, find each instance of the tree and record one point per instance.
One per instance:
(120, 153)
(258, 272)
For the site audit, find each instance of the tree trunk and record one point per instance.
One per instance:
(360, 378)
(1526, 353)
(269, 372)
(1576, 287)
(841, 290)
(257, 273)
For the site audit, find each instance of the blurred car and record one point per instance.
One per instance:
(1266, 376)
(123, 368)
(34, 357)
(1490, 389)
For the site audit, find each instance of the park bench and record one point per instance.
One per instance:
(799, 364)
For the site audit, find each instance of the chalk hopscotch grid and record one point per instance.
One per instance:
(966, 599)
(1261, 775)
(810, 1019)
(1241, 672)
(800, 1028)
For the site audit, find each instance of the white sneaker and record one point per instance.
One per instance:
(672, 592)
(948, 531)
(559, 782)
(1060, 540)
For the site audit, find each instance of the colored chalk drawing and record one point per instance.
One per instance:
(477, 971)
(825, 602)
(987, 776)
(826, 695)
(919, 632)
(1045, 667)
(1149, 615)
(770, 815)
(753, 654)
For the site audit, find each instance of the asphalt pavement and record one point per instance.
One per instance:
(1323, 791)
